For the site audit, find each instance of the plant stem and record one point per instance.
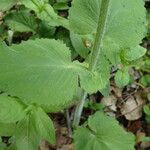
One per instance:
(101, 28)
(104, 8)
(79, 109)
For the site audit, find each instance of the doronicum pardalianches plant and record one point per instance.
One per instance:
(39, 76)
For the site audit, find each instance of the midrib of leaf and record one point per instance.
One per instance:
(101, 28)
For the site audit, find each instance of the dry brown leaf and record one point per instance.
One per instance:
(117, 91)
(110, 102)
(132, 108)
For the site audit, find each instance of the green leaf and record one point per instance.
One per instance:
(84, 20)
(46, 12)
(79, 45)
(134, 53)
(84, 16)
(105, 92)
(103, 133)
(40, 72)
(26, 134)
(21, 21)
(145, 80)
(97, 80)
(7, 129)
(45, 31)
(147, 112)
(122, 77)
(63, 35)
(11, 109)
(44, 125)
(61, 6)
(11, 147)
(111, 50)
(7, 4)
(34, 127)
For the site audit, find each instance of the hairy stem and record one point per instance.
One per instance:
(96, 52)
(99, 34)
(79, 109)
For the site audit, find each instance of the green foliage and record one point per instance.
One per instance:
(45, 31)
(79, 43)
(134, 53)
(26, 134)
(122, 77)
(97, 80)
(44, 125)
(34, 127)
(147, 112)
(145, 80)
(43, 71)
(61, 5)
(2, 145)
(11, 110)
(7, 129)
(84, 20)
(21, 21)
(102, 132)
(39, 75)
(7, 4)
(45, 12)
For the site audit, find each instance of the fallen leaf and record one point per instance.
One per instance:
(117, 91)
(110, 102)
(132, 108)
